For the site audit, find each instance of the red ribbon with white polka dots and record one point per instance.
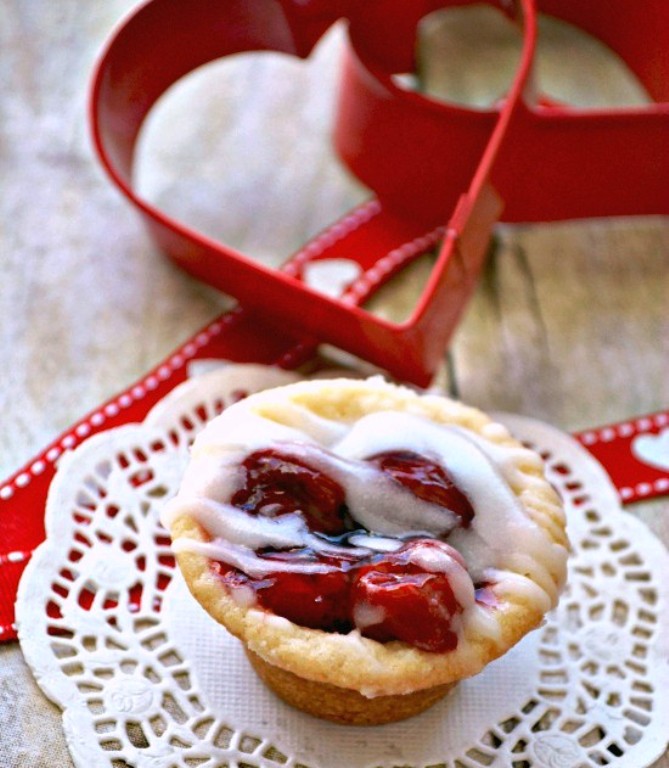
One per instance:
(234, 336)
(635, 454)
(237, 336)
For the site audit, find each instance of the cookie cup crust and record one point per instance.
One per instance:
(346, 661)
(352, 662)
(343, 705)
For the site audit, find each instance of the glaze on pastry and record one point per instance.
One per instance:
(370, 546)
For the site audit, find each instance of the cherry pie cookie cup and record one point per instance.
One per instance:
(370, 546)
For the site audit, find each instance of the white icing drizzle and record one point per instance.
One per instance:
(480, 621)
(236, 535)
(375, 543)
(502, 543)
(247, 560)
(229, 524)
(376, 501)
(437, 560)
(366, 615)
(244, 596)
(521, 586)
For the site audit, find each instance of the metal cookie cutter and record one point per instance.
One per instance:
(166, 39)
(560, 162)
(158, 44)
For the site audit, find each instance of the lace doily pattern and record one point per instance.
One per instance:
(135, 681)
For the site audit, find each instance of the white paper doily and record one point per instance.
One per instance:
(146, 679)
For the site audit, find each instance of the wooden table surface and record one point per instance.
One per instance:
(569, 323)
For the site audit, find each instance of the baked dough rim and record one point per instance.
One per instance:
(352, 661)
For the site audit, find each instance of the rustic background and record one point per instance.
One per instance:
(569, 323)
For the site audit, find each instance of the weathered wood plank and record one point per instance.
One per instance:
(570, 323)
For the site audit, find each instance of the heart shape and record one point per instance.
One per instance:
(539, 174)
(430, 164)
(166, 39)
(653, 449)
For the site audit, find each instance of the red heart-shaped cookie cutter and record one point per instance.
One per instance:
(166, 39)
(558, 161)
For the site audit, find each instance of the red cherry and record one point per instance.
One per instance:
(391, 596)
(276, 484)
(427, 480)
(315, 600)
(403, 601)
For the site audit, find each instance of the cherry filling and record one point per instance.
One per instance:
(317, 600)
(427, 480)
(398, 595)
(394, 598)
(277, 485)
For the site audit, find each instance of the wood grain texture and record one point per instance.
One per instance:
(569, 323)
